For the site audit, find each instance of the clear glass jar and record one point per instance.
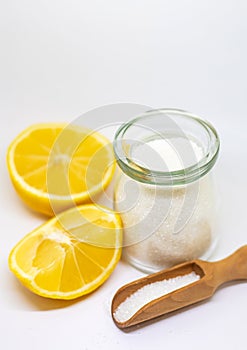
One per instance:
(165, 192)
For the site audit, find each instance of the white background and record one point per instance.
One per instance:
(59, 59)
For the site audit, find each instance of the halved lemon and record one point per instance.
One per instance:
(70, 255)
(56, 166)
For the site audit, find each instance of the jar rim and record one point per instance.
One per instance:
(166, 178)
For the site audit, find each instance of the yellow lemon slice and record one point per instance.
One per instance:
(54, 167)
(70, 255)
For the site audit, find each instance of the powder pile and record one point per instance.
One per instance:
(151, 292)
(167, 155)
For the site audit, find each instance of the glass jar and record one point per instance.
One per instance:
(165, 192)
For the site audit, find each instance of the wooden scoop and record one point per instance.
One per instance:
(212, 275)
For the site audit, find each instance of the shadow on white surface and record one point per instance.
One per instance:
(23, 299)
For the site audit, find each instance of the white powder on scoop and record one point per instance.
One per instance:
(151, 292)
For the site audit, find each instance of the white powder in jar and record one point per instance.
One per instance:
(165, 225)
(167, 155)
(151, 292)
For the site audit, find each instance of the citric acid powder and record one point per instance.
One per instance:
(165, 225)
(151, 292)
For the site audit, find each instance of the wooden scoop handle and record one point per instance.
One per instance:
(233, 267)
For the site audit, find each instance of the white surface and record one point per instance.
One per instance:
(61, 58)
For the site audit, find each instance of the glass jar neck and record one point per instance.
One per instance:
(166, 147)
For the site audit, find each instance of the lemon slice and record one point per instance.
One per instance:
(70, 255)
(54, 167)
